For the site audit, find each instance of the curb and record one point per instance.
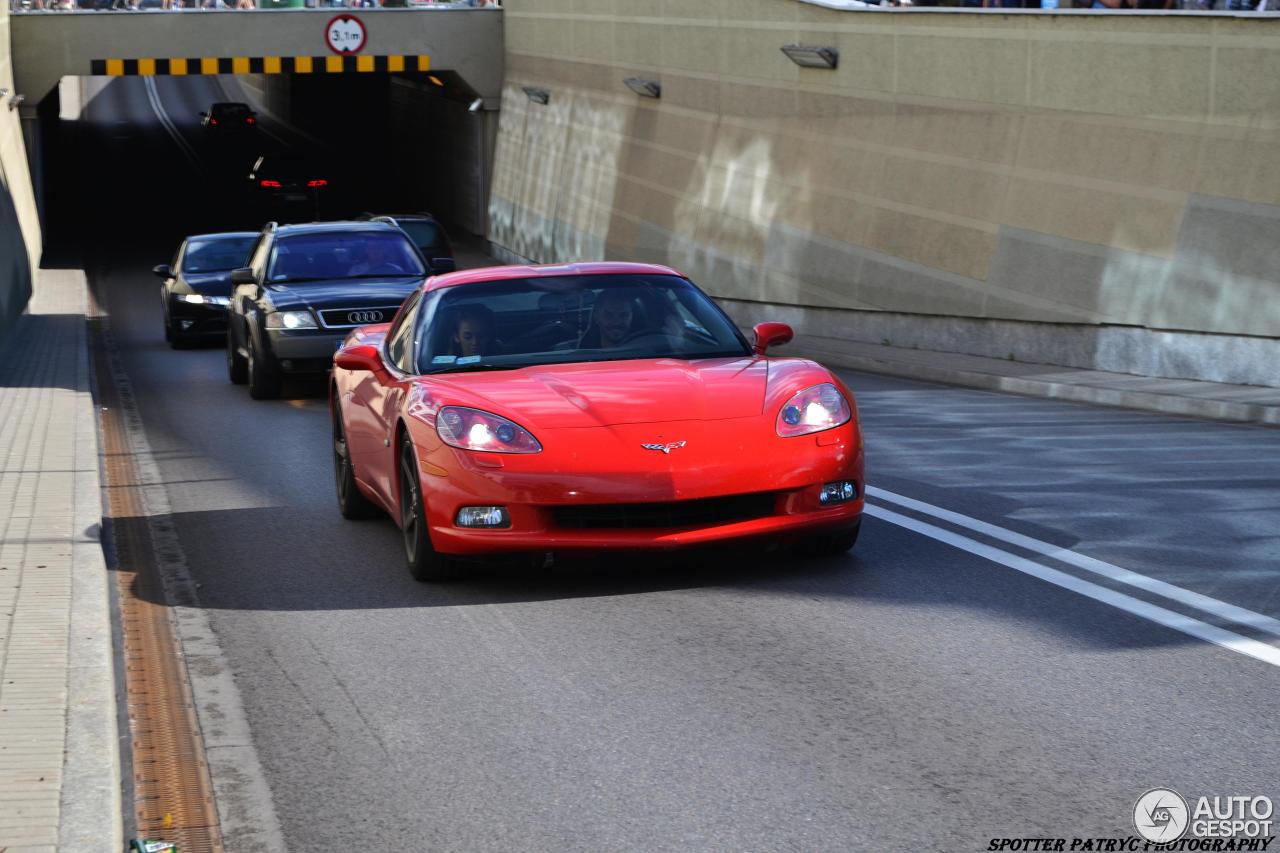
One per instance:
(1169, 404)
(90, 817)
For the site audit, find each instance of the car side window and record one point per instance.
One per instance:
(400, 338)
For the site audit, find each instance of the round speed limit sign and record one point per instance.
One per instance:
(345, 34)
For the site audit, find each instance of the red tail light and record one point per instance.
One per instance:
(249, 120)
(213, 121)
(319, 182)
(272, 184)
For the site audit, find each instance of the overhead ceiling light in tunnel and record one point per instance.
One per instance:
(538, 96)
(476, 105)
(646, 88)
(435, 80)
(812, 57)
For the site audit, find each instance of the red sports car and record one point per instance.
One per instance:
(587, 407)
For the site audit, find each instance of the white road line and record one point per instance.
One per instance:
(154, 97)
(1168, 618)
(1204, 603)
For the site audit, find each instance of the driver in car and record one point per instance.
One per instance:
(473, 331)
(377, 261)
(614, 314)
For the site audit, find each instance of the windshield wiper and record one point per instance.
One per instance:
(473, 368)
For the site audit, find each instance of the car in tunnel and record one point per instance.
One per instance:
(427, 234)
(228, 118)
(285, 187)
(304, 288)
(587, 408)
(197, 285)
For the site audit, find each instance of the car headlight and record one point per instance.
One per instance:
(201, 299)
(814, 410)
(291, 320)
(474, 429)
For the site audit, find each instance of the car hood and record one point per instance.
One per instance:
(615, 392)
(343, 293)
(209, 283)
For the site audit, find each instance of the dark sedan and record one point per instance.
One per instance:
(305, 288)
(286, 187)
(197, 285)
(427, 234)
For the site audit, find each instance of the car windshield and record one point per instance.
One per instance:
(504, 325)
(343, 254)
(427, 236)
(217, 254)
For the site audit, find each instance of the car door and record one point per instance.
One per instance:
(244, 296)
(378, 396)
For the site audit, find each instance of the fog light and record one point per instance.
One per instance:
(483, 516)
(838, 493)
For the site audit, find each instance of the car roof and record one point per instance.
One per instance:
(221, 235)
(344, 226)
(503, 273)
(400, 216)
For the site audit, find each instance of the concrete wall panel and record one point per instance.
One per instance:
(1050, 170)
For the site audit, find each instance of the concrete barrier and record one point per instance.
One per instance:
(1072, 188)
(19, 221)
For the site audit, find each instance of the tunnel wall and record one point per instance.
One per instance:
(19, 222)
(1078, 189)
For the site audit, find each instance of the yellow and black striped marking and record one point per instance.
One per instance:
(332, 64)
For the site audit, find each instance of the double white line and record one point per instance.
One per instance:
(154, 97)
(1256, 649)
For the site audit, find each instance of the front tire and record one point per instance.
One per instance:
(425, 563)
(833, 544)
(264, 373)
(237, 367)
(351, 501)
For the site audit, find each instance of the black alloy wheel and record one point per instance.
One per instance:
(833, 544)
(425, 564)
(351, 501)
(264, 373)
(237, 367)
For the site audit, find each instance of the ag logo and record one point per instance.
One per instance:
(364, 316)
(345, 34)
(1160, 815)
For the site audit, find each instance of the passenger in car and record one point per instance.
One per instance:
(473, 331)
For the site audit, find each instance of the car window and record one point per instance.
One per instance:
(427, 236)
(219, 255)
(343, 255)
(400, 338)
(552, 320)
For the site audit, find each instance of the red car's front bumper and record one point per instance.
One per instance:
(603, 468)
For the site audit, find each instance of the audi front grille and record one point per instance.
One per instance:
(349, 318)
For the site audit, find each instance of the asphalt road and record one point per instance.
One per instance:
(912, 695)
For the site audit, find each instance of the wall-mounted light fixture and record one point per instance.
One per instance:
(645, 88)
(538, 96)
(812, 57)
(476, 105)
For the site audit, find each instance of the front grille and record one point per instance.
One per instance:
(349, 318)
(703, 512)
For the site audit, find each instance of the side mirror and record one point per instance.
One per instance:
(162, 270)
(359, 357)
(441, 265)
(244, 275)
(771, 335)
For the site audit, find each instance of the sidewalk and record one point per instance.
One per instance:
(1187, 398)
(59, 754)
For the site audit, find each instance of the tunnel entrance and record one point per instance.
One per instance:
(132, 158)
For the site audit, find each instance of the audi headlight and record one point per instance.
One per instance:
(474, 429)
(291, 320)
(814, 409)
(201, 299)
